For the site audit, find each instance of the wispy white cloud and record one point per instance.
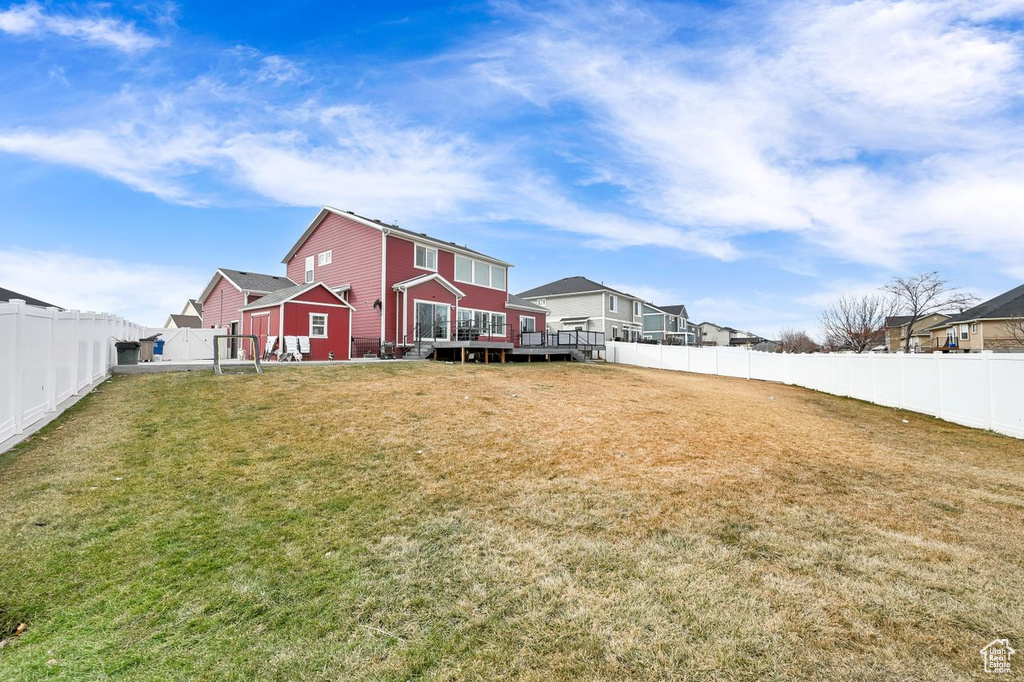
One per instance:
(139, 292)
(881, 132)
(31, 19)
(844, 123)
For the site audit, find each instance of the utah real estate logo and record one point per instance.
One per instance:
(997, 656)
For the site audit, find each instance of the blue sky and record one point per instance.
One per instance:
(753, 160)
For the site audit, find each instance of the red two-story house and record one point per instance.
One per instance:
(408, 288)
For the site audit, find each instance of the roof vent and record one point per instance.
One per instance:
(240, 272)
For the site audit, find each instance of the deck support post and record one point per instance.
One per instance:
(529, 359)
(503, 356)
(435, 355)
(463, 355)
(487, 357)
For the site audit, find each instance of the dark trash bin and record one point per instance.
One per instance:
(127, 352)
(146, 348)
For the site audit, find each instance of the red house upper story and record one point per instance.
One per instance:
(406, 286)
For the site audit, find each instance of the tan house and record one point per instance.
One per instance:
(897, 327)
(986, 326)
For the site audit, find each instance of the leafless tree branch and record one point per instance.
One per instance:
(1015, 329)
(922, 295)
(856, 323)
(792, 341)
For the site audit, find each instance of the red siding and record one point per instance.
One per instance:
(296, 323)
(428, 291)
(401, 254)
(539, 320)
(223, 305)
(355, 260)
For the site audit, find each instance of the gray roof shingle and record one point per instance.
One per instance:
(187, 321)
(569, 285)
(897, 320)
(1004, 306)
(282, 295)
(254, 281)
(7, 295)
(523, 303)
(678, 310)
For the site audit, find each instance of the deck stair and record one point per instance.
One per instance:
(421, 352)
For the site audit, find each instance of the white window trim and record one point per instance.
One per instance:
(310, 273)
(492, 313)
(415, 249)
(523, 319)
(317, 336)
(472, 273)
(325, 257)
(613, 303)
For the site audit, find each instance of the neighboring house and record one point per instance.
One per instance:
(681, 332)
(8, 295)
(897, 328)
(191, 316)
(231, 290)
(406, 286)
(581, 303)
(986, 326)
(745, 339)
(312, 310)
(183, 322)
(716, 335)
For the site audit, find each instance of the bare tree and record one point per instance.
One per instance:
(922, 295)
(856, 322)
(1014, 327)
(792, 341)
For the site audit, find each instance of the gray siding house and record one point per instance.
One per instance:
(581, 303)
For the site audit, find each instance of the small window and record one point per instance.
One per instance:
(974, 328)
(615, 333)
(317, 326)
(613, 303)
(636, 308)
(527, 324)
(463, 269)
(309, 269)
(542, 301)
(963, 333)
(325, 258)
(426, 257)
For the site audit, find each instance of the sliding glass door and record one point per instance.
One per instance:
(432, 321)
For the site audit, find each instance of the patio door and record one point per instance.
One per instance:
(432, 321)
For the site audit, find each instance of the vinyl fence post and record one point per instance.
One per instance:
(51, 368)
(938, 382)
(90, 356)
(76, 337)
(986, 358)
(19, 350)
(748, 361)
(716, 361)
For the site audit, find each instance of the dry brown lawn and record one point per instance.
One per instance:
(526, 521)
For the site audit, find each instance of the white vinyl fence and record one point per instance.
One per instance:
(982, 390)
(182, 345)
(47, 356)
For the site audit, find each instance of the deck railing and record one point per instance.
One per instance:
(573, 338)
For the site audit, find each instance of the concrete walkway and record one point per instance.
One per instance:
(207, 365)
